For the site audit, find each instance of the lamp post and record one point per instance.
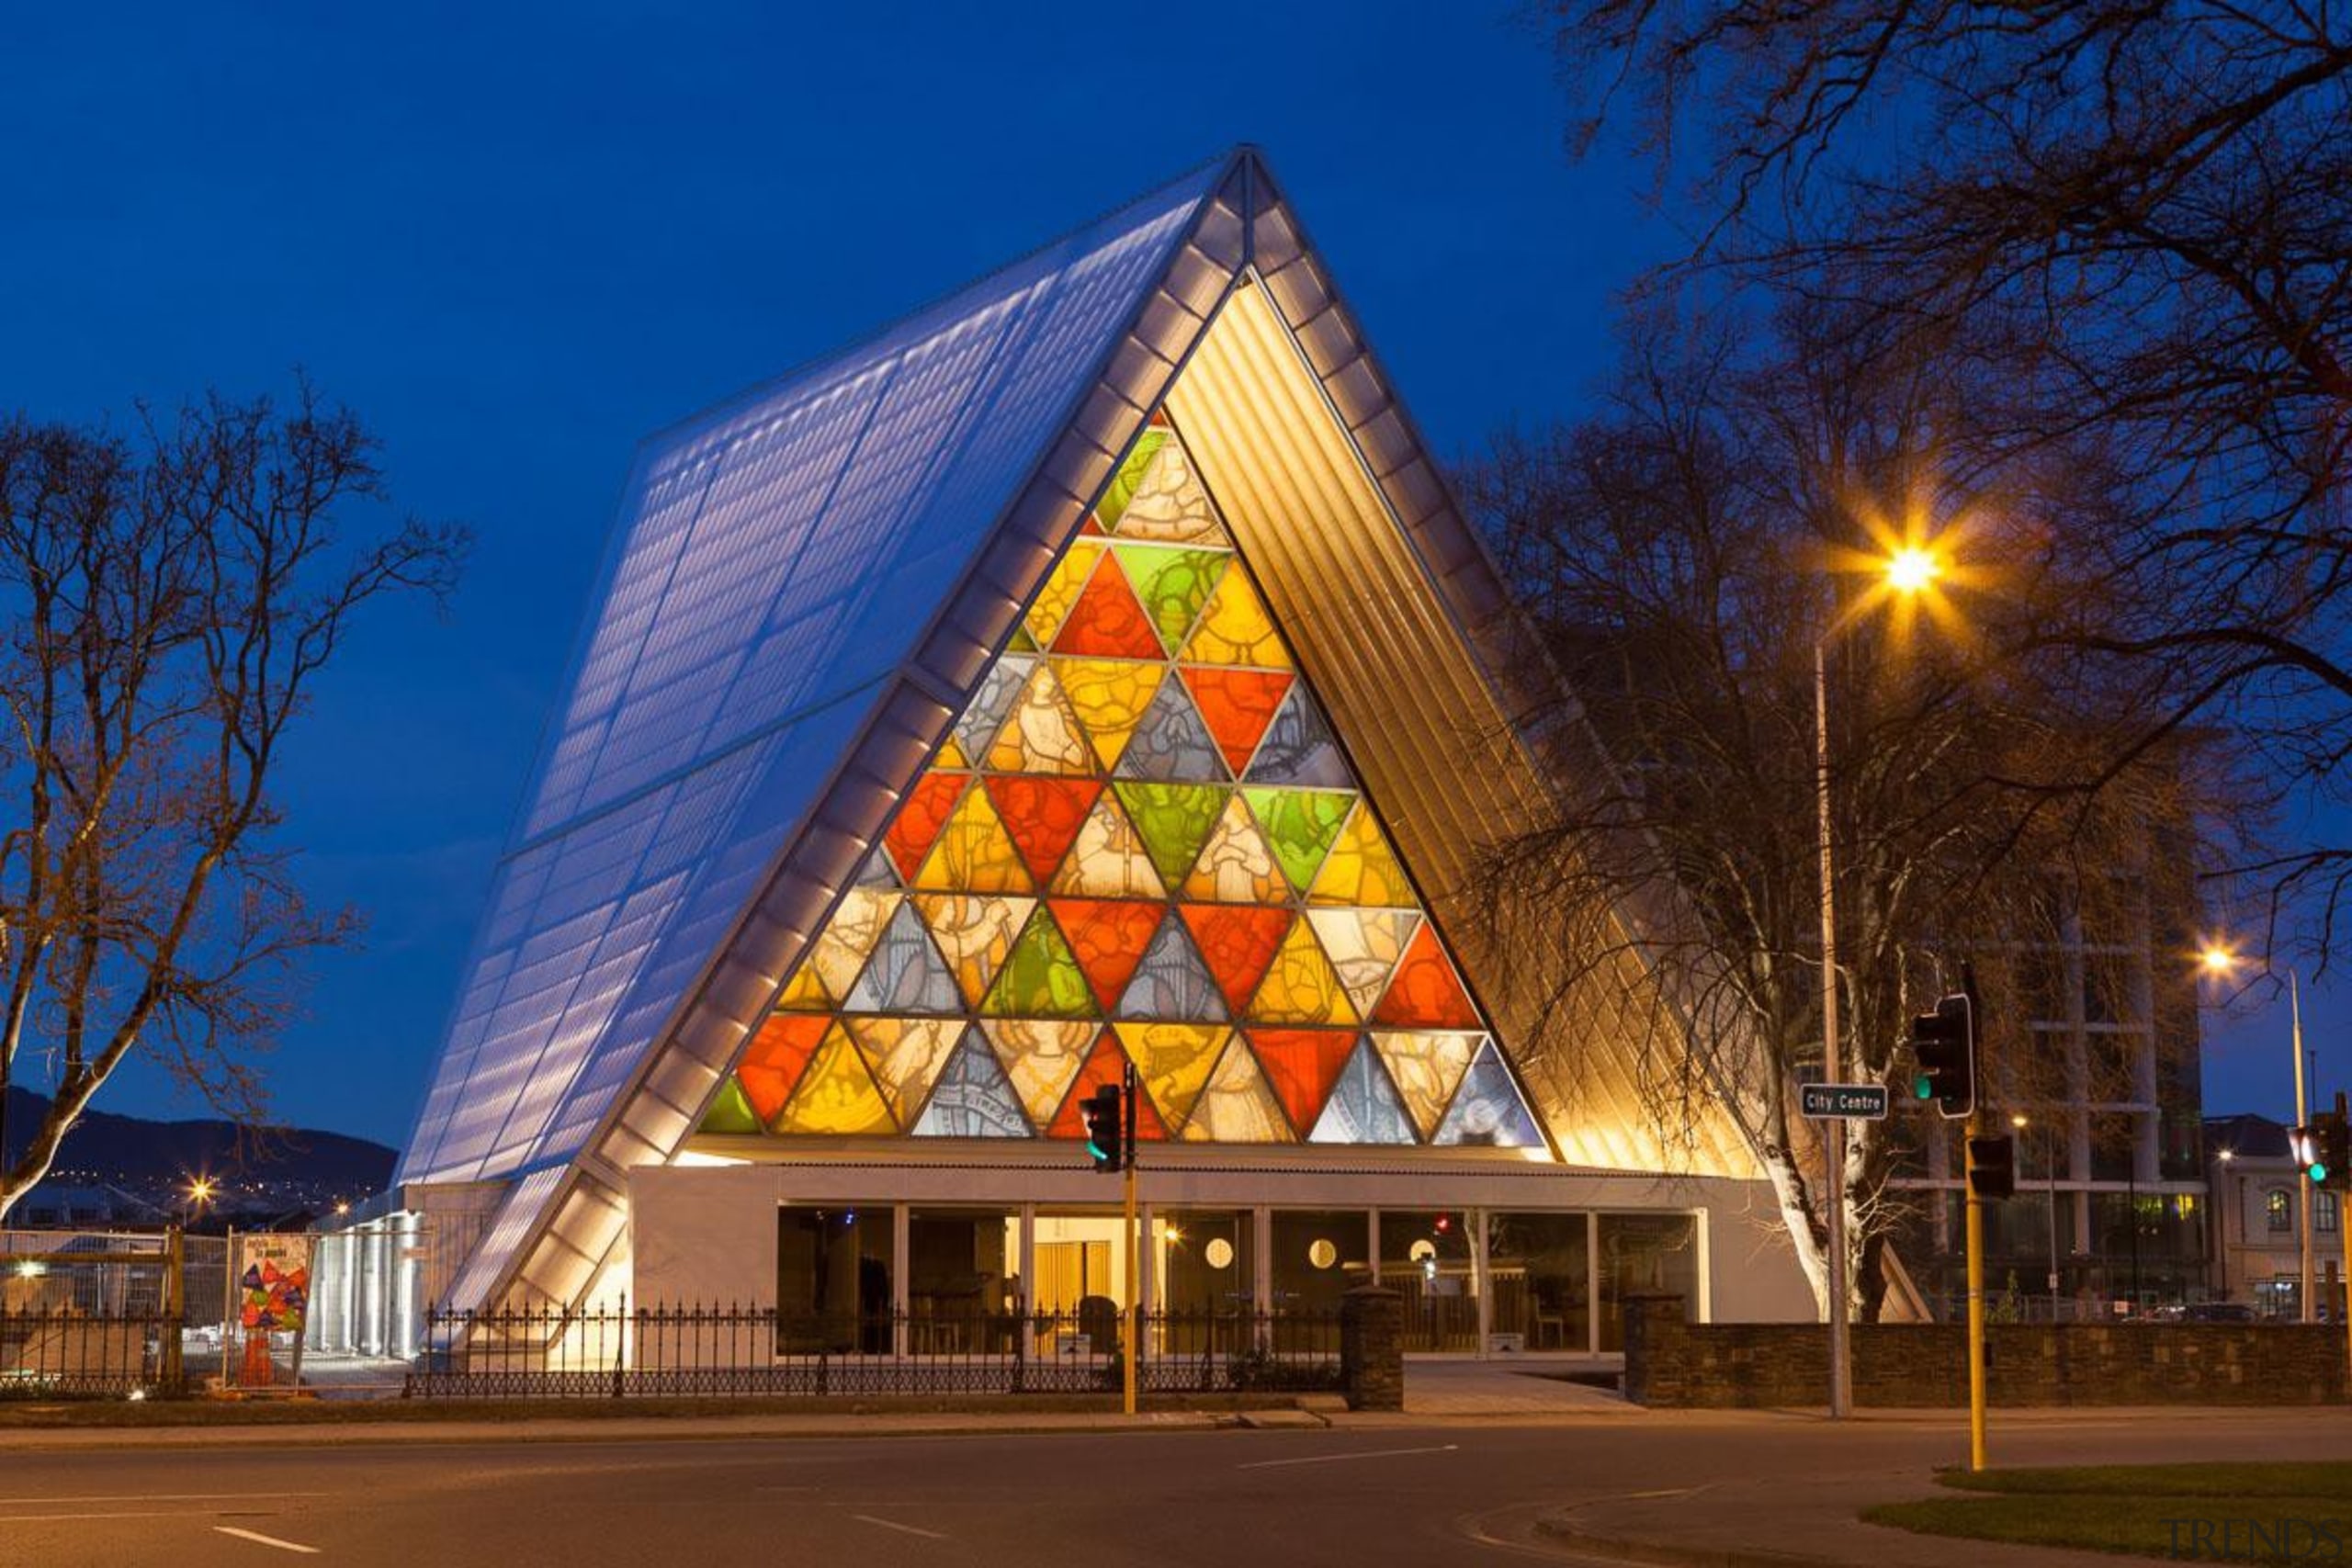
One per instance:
(2049, 1184)
(2220, 960)
(1907, 572)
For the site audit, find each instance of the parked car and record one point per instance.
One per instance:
(2217, 1312)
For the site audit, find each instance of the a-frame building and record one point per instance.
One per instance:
(1090, 669)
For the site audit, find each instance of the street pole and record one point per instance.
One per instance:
(1975, 1306)
(2050, 1180)
(1841, 1393)
(1128, 1335)
(2302, 1119)
(2345, 1232)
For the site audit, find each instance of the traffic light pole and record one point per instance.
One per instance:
(1128, 1334)
(1841, 1388)
(2344, 1191)
(2306, 1193)
(1975, 1306)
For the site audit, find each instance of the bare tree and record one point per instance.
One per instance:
(1684, 552)
(169, 599)
(2138, 215)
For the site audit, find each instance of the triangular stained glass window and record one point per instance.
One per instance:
(1077, 881)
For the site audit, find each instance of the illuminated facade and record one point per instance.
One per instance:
(1091, 669)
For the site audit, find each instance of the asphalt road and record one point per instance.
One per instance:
(1421, 1495)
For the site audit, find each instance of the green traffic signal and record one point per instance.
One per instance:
(2318, 1173)
(1923, 1087)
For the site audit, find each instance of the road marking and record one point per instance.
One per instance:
(160, 1498)
(894, 1525)
(59, 1518)
(261, 1539)
(1335, 1458)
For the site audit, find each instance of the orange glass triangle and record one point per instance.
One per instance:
(1425, 993)
(921, 817)
(1108, 621)
(1105, 1065)
(1043, 815)
(1238, 942)
(776, 1057)
(1303, 1064)
(1237, 705)
(1108, 937)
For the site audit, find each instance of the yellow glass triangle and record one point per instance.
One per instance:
(837, 1095)
(1427, 1068)
(1108, 859)
(1173, 1061)
(1042, 1058)
(1236, 866)
(1300, 986)
(974, 934)
(1363, 946)
(1109, 696)
(1042, 734)
(804, 992)
(1235, 629)
(841, 952)
(1361, 869)
(1063, 585)
(951, 755)
(1237, 1106)
(905, 1055)
(974, 854)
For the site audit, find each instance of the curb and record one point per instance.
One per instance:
(1665, 1554)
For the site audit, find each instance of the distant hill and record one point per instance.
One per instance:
(136, 1152)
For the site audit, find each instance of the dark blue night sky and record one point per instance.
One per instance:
(517, 243)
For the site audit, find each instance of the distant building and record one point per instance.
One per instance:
(2256, 1231)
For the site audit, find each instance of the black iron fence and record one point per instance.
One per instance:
(51, 1352)
(697, 1352)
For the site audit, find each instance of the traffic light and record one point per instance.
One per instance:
(2328, 1155)
(2303, 1144)
(1944, 1042)
(1992, 1167)
(1105, 1127)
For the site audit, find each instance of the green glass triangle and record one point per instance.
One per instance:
(1174, 584)
(1301, 825)
(1175, 820)
(1021, 641)
(1129, 479)
(731, 1112)
(1040, 977)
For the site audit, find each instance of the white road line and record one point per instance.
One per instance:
(1335, 1458)
(59, 1518)
(893, 1525)
(260, 1539)
(161, 1497)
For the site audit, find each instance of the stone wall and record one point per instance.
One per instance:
(1669, 1362)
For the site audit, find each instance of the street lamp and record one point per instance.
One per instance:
(2222, 963)
(1908, 570)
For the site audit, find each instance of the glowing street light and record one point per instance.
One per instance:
(2222, 962)
(1905, 572)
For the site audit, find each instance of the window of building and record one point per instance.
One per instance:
(833, 1278)
(1646, 1255)
(2278, 1208)
(2323, 1212)
(1425, 1256)
(1319, 1256)
(1542, 1278)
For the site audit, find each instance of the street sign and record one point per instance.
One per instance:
(1843, 1102)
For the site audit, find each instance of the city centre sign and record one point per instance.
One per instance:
(1843, 1102)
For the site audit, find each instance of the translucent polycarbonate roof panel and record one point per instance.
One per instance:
(774, 560)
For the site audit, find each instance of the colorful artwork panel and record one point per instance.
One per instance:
(1360, 868)
(906, 973)
(1111, 697)
(1237, 942)
(1235, 629)
(771, 1063)
(1236, 865)
(1172, 981)
(1042, 734)
(1299, 749)
(732, 1112)
(973, 1097)
(837, 1096)
(1108, 621)
(1174, 584)
(1110, 859)
(1041, 816)
(1063, 585)
(921, 817)
(1236, 1105)
(973, 934)
(905, 1055)
(1363, 1106)
(843, 947)
(1425, 993)
(1108, 937)
(1041, 977)
(1171, 741)
(1173, 1061)
(1300, 824)
(1130, 478)
(1300, 986)
(1303, 1066)
(1237, 705)
(1041, 1058)
(973, 854)
(1169, 506)
(1365, 945)
(1488, 1108)
(1426, 1067)
(992, 704)
(1175, 820)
